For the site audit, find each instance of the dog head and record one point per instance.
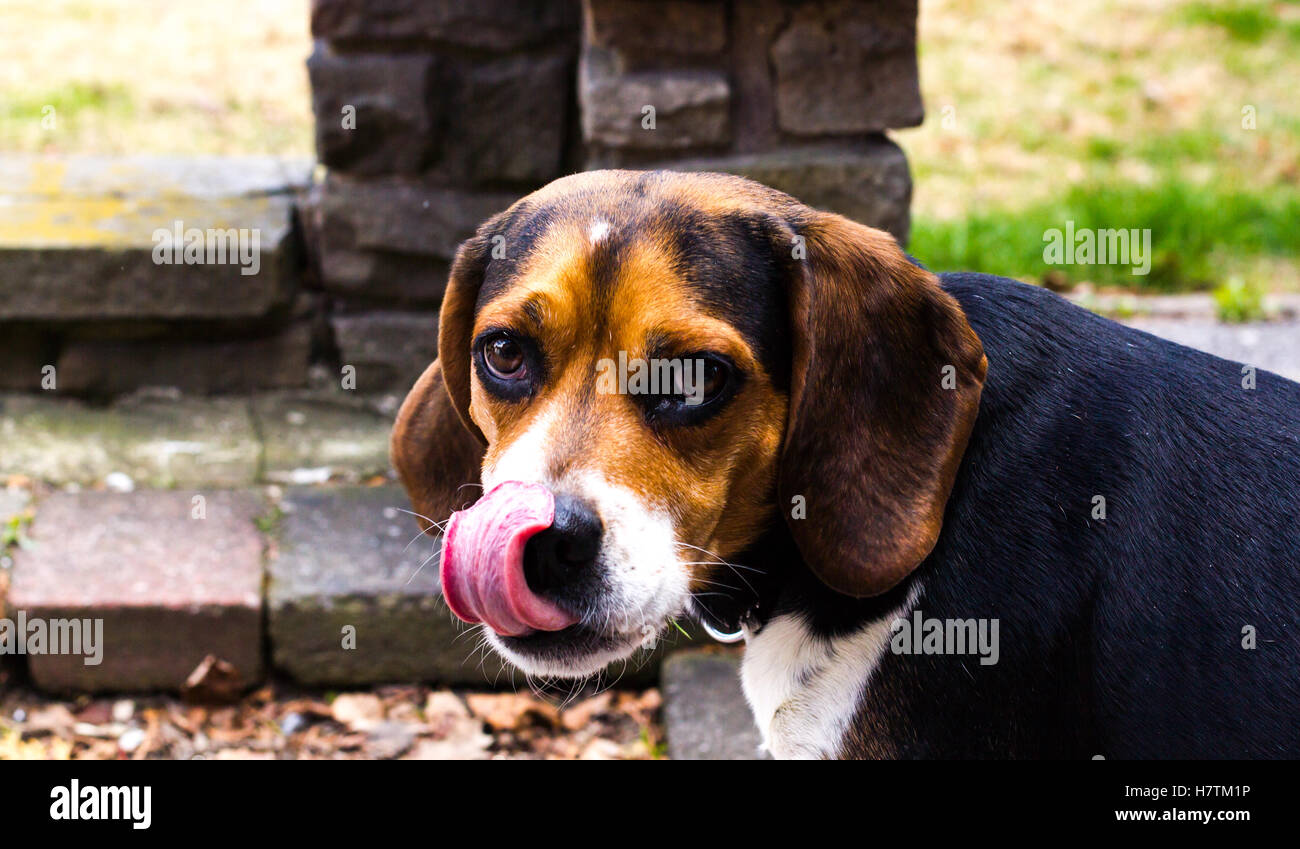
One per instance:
(644, 369)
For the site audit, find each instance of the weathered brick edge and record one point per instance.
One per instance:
(317, 584)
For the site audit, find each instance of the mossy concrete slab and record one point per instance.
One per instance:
(313, 438)
(78, 237)
(156, 441)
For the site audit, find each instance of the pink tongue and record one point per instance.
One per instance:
(483, 561)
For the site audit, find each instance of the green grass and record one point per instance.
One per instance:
(69, 101)
(1248, 22)
(1235, 301)
(1193, 227)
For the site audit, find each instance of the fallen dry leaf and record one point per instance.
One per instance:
(358, 711)
(213, 682)
(55, 719)
(511, 711)
(443, 703)
(578, 716)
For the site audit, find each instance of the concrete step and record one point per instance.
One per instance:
(118, 273)
(168, 440)
(80, 237)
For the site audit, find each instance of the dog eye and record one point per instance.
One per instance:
(697, 395)
(504, 358)
(715, 379)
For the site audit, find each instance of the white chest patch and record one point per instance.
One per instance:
(805, 689)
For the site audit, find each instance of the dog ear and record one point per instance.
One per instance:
(885, 386)
(437, 459)
(456, 322)
(435, 447)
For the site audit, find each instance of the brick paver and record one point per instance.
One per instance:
(173, 575)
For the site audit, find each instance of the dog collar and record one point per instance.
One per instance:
(721, 637)
(746, 624)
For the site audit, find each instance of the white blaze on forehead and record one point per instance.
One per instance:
(599, 230)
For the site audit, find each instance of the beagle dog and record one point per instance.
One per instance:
(951, 516)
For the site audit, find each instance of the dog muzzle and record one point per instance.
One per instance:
(483, 561)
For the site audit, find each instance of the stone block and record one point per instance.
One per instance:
(847, 67)
(691, 107)
(155, 441)
(706, 716)
(389, 350)
(500, 25)
(204, 367)
(640, 28)
(505, 120)
(343, 562)
(402, 216)
(173, 577)
(372, 111)
(81, 238)
(868, 182)
(312, 439)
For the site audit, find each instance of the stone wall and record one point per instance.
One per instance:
(797, 95)
(431, 116)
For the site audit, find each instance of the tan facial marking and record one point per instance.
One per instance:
(715, 478)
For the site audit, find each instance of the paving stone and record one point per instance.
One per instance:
(692, 107)
(342, 561)
(1272, 346)
(706, 716)
(78, 237)
(867, 181)
(310, 439)
(641, 27)
(848, 67)
(156, 441)
(13, 502)
(493, 24)
(170, 583)
(389, 350)
(201, 367)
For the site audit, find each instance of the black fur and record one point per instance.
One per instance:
(1121, 637)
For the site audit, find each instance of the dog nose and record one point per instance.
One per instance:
(564, 553)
